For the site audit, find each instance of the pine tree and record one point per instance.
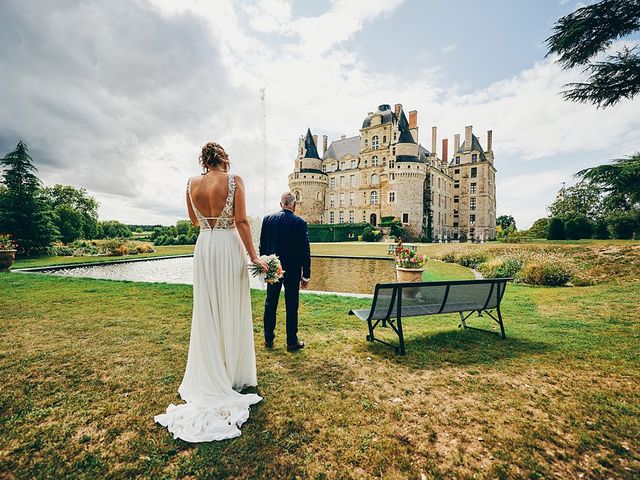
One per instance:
(24, 212)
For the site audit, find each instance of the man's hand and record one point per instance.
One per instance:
(304, 284)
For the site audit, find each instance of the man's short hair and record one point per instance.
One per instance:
(287, 199)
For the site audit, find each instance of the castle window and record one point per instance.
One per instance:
(332, 217)
(474, 158)
(474, 172)
(458, 160)
(456, 171)
(456, 184)
(374, 161)
(332, 201)
(456, 199)
(332, 182)
(393, 151)
(473, 188)
(354, 163)
(352, 199)
(405, 218)
(342, 165)
(341, 181)
(375, 180)
(374, 142)
(393, 176)
(392, 163)
(472, 203)
(392, 197)
(472, 219)
(341, 217)
(324, 169)
(297, 195)
(395, 134)
(364, 217)
(353, 180)
(342, 199)
(374, 198)
(366, 142)
(384, 139)
(384, 161)
(317, 195)
(364, 194)
(352, 217)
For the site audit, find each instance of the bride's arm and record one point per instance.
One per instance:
(242, 223)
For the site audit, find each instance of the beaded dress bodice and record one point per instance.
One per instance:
(225, 220)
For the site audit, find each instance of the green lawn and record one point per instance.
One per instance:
(85, 364)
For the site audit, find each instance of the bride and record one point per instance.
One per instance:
(221, 359)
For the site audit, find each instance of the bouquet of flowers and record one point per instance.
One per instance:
(273, 274)
(406, 258)
(6, 243)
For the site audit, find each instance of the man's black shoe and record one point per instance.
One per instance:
(295, 347)
(268, 344)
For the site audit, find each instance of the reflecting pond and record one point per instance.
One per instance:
(329, 274)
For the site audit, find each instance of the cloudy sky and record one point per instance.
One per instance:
(118, 96)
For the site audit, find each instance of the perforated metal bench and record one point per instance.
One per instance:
(394, 301)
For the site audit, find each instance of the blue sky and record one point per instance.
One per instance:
(119, 96)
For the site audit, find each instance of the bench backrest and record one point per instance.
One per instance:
(426, 298)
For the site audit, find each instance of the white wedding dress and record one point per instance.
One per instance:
(222, 357)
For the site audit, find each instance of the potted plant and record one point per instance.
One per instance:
(7, 252)
(409, 265)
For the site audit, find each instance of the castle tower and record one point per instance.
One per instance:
(474, 188)
(308, 182)
(409, 177)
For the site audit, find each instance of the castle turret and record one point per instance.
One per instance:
(308, 182)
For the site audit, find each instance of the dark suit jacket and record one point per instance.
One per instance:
(285, 234)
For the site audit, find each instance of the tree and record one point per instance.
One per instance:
(623, 224)
(580, 199)
(113, 229)
(577, 227)
(539, 228)
(69, 222)
(78, 200)
(620, 180)
(590, 31)
(505, 221)
(556, 229)
(24, 211)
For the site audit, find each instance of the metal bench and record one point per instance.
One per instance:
(393, 301)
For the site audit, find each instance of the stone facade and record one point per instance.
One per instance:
(385, 172)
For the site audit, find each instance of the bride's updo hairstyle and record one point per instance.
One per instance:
(213, 157)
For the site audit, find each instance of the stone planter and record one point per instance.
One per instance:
(407, 275)
(7, 258)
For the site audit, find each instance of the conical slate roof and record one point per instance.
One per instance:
(310, 146)
(403, 126)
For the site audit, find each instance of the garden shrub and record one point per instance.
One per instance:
(555, 230)
(623, 225)
(144, 248)
(462, 238)
(472, 259)
(501, 267)
(449, 257)
(62, 250)
(550, 272)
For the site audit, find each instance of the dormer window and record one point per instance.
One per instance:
(354, 163)
(458, 160)
(374, 142)
(474, 158)
(324, 169)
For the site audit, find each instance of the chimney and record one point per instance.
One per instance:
(467, 137)
(489, 140)
(434, 137)
(315, 140)
(324, 144)
(342, 137)
(456, 144)
(413, 119)
(445, 152)
(397, 107)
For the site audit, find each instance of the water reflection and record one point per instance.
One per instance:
(329, 274)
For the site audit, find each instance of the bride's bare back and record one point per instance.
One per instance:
(209, 193)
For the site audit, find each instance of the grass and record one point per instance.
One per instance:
(85, 364)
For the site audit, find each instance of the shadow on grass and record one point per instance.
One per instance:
(457, 348)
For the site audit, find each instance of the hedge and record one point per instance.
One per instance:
(337, 232)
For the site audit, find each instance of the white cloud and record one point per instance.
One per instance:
(449, 48)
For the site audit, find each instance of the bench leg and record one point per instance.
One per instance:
(370, 337)
(463, 323)
(400, 336)
(500, 323)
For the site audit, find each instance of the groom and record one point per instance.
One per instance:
(285, 234)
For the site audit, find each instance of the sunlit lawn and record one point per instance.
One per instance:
(85, 364)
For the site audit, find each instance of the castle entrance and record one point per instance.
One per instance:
(373, 219)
